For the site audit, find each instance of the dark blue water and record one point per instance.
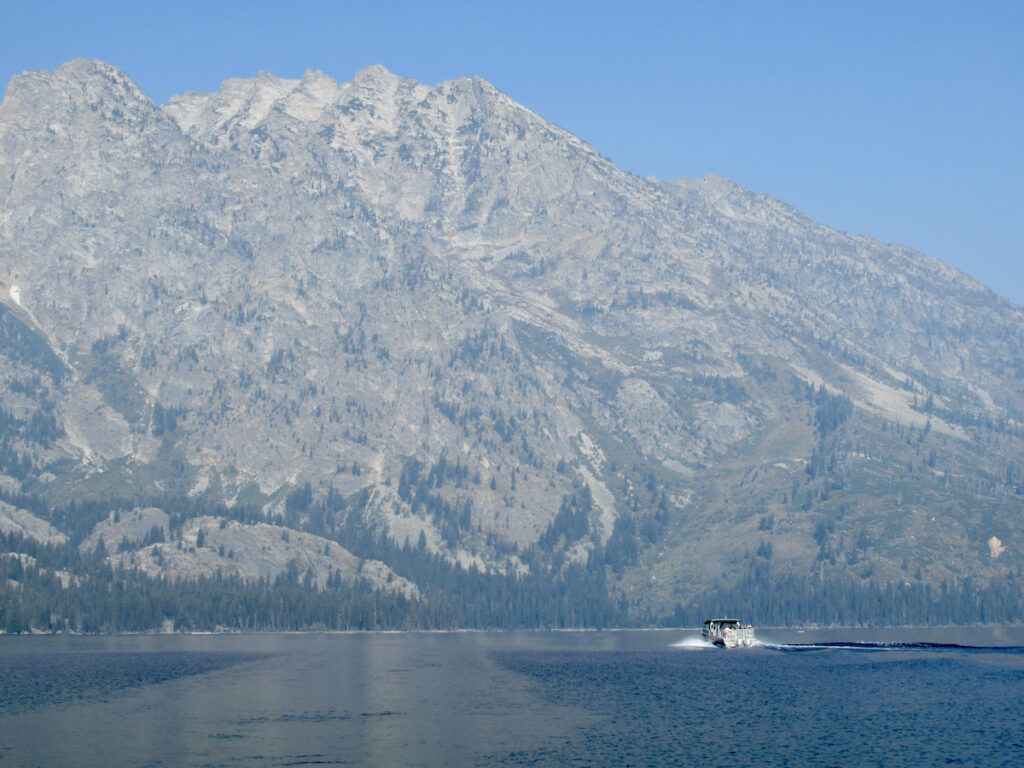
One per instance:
(539, 699)
(780, 708)
(33, 680)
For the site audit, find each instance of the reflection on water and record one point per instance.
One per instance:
(504, 698)
(326, 699)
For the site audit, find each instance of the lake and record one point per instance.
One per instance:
(639, 698)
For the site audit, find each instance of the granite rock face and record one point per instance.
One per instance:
(292, 282)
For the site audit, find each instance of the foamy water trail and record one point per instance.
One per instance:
(693, 644)
(700, 644)
(893, 646)
(770, 645)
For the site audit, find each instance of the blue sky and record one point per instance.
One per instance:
(899, 120)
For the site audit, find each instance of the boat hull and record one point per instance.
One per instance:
(733, 642)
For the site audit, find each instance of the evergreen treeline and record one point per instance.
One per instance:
(126, 601)
(48, 587)
(769, 598)
(51, 587)
(58, 588)
(570, 595)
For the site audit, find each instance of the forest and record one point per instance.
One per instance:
(58, 588)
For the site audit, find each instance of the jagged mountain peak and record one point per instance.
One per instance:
(244, 101)
(85, 69)
(245, 104)
(78, 118)
(375, 73)
(82, 95)
(80, 82)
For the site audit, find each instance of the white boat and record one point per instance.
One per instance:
(728, 633)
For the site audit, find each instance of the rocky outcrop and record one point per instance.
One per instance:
(209, 546)
(23, 523)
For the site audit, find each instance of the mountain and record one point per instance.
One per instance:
(375, 331)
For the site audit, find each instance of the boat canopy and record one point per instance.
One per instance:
(722, 621)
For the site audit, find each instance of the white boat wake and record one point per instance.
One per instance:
(700, 644)
(693, 644)
(891, 646)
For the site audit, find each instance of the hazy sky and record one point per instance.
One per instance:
(900, 120)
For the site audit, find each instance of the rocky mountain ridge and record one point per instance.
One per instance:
(466, 324)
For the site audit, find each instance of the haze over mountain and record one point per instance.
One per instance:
(386, 317)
